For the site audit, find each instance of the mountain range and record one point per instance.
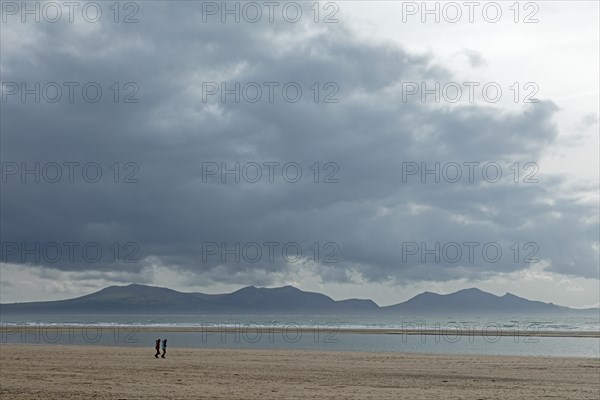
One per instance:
(138, 299)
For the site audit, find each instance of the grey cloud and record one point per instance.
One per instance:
(369, 134)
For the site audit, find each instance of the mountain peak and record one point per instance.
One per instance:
(471, 300)
(471, 290)
(288, 288)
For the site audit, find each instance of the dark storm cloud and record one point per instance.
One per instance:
(369, 134)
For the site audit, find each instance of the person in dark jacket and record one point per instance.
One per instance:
(164, 347)
(157, 347)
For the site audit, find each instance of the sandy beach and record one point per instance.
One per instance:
(94, 372)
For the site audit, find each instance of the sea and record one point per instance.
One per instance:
(502, 335)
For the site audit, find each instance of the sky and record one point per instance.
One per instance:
(333, 146)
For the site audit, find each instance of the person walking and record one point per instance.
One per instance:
(164, 348)
(157, 347)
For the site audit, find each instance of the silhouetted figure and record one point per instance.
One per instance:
(157, 347)
(164, 347)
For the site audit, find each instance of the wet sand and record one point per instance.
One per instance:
(99, 372)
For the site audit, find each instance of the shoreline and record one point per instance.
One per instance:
(448, 331)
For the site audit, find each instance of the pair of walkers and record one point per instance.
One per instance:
(157, 347)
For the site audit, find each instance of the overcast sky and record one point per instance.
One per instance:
(330, 138)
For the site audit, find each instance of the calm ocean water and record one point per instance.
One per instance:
(283, 332)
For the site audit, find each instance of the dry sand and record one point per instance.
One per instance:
(90, 372)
